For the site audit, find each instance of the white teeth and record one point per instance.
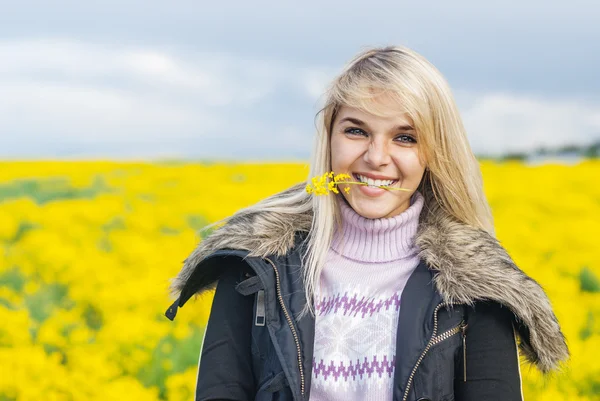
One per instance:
(374, 183)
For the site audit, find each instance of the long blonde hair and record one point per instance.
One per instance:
(453, 174)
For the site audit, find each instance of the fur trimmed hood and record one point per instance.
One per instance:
(468, 264)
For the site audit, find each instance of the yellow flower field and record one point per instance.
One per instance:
(87, 250)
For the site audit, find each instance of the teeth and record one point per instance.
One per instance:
(374, 183)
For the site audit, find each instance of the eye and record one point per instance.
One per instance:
(355, 131)
(406, 138)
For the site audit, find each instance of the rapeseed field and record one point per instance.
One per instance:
(87, 250)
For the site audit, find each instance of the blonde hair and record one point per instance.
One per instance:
(453, 174)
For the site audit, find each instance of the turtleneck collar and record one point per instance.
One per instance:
(378, 240)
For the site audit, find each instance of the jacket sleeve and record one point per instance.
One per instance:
(225, 366)
(493, 372)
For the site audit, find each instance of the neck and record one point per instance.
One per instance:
(378, 240)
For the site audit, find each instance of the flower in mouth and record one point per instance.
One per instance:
(374, 182)
(328, 182)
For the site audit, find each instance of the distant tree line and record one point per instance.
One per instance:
(591, 150)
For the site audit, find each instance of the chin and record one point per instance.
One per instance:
(372, 212)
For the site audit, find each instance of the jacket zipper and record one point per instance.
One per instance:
(289, 320)
(463, 329)
(436, 339)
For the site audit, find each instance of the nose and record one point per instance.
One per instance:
(377, 154)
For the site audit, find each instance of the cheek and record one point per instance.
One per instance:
(341, 154)
(410, 164)
(335, 154)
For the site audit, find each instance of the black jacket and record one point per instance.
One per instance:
(465, 302)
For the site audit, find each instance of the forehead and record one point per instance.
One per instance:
(384, 107)
(388, 116)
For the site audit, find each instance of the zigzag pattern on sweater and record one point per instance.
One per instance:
(354, 371)
(352, 305)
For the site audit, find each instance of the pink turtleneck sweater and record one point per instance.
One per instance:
(358, 302)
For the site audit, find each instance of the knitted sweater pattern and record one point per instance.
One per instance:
(358, 302)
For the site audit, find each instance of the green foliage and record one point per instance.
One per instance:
(588, 281)
(171, 356)
(24, 228)
(48, 190)
(514, 156)
(93, 317)
(53, 349)
(116, 223)
(13, 279)
(42, 303)
(588, 330)
(593, 152)
(198, 223)
(104, 244)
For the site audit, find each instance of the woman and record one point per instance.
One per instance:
(411, 296)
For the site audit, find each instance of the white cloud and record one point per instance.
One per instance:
(500, 122)
(64, 94)
(63, 97)
(211, 77)
(315, 81)
(87, 114)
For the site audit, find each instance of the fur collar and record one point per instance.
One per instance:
(469, 265)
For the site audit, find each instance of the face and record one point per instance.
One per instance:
(370, 147)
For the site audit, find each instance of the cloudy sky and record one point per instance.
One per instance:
(242, 79)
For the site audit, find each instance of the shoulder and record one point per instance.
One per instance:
(231, 302)
(222, 265)
(490, 334)
(490, 314)
(491, 324)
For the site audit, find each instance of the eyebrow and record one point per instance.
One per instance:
(361, 123)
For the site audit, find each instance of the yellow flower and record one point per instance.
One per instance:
(140, 220)
(320, 185)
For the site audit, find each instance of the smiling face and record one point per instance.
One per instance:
(371, 147)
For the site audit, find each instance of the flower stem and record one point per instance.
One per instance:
(378, 186)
